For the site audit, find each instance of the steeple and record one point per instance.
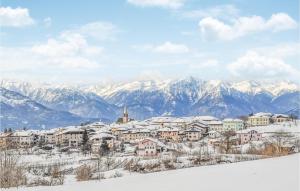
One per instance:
(125, 110)
(125, 115)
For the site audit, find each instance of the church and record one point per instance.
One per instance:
(125, 118)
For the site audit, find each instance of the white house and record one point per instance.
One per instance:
(49, 136)
(97, 139)
(23, 138)
(215, 125)
(149, 147)
(233, 124)
(71, 136)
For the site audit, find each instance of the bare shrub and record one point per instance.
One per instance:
(273, 150)
(254, 151)
(152, 167)
(280, 141)
(57, 176)
(269, 149)
(129, 165)
(197, 160)
(117, 174)
(39, 182)
(132, 165)
(169, 164)
(11, 174)
(84, 173)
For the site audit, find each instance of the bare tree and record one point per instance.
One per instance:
(99, 165)
(280, 139)
(108, 162)
(227, 141)
(11, 174)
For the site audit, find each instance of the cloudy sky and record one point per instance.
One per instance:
(90, 41)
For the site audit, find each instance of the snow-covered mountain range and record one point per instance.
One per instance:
(144, 99)
(19, 111)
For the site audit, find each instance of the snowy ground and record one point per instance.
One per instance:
(276, 174)
(291, 127)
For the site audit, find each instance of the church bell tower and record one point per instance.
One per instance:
(125, 115)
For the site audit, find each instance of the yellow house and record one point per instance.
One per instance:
(134, 135)
(169, 134)
(259, 119)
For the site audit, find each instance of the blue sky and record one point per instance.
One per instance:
(91, 41)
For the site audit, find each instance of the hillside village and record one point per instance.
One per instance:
(155, 144)
(156, 130)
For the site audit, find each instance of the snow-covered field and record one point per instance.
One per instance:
(275, 174)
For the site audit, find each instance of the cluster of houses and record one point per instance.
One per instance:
(149, 137)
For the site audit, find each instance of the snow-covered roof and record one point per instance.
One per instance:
(168, 129)
(194, 129)
(138, 131)
(159, 143)
(162, 120)
(50, 131)
(206, 118)
(102, 135)
(22, 133)
(262, 114)
(5, 134)
(280, 115)
(198, 124)
(71, 129)
(246, 131)
(99, 123)
(232, 120)
(214, 122)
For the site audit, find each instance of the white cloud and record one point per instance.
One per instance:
(47, 22)
(281, 21)
(172, 4)
(172, 48)
(37, 57)
(166, 47)
(66, 45)
(212, 28)
(70, 50)
(254, 65)
(284, 50)
(99, 30)
(220, 11)
(17, 17)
